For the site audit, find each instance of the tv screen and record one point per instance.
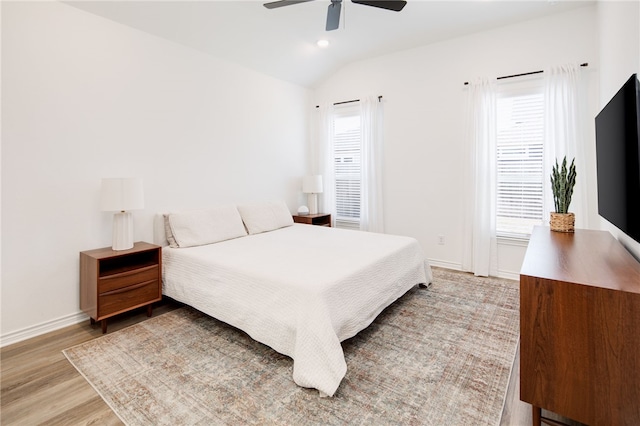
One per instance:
(618, 159)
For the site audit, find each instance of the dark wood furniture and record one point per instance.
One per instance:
(321, 219)
(113, 282)
(580, 328)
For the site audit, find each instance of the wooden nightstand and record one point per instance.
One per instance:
(320, 219)
(113, 282)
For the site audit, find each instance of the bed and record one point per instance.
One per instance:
(300, 289)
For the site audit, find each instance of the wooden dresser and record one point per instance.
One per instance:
(113, 282)
(580, 328)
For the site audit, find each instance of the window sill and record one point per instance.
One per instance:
(347, 223)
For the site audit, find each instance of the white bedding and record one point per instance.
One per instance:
(301, 289)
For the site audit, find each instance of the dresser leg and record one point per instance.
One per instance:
(149, 309)
(104, 326)
(536, 416)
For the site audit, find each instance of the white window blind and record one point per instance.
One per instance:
(519, 153)
(347, 159)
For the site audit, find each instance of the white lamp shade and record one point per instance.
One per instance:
(312, 184)
(122, 194)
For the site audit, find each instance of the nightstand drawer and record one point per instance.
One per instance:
(126, 279)
(125, 298)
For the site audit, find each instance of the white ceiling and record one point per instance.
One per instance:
(282, 42)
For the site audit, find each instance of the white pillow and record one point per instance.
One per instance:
(168, 233)
(199, 227)
(265, 216)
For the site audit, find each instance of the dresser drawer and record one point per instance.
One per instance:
(128, 297)
(126, 279)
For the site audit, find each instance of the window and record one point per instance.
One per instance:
(519, 162)
(347, 135)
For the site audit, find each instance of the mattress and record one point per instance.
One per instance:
(300, 290)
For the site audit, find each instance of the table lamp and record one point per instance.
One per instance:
(122, 195)
(312, 185)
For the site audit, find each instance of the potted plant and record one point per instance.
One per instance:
(562, 182)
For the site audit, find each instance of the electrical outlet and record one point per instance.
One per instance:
(441, 240)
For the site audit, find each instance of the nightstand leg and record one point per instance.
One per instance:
(149, 310)
(91, 321)
(104, 326)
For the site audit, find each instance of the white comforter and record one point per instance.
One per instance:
(301, 289)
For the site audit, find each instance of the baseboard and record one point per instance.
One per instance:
(42, 328)
(510, 275)
(445, 264)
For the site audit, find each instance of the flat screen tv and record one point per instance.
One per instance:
(618, 159)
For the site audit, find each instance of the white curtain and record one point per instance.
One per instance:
(325, 164)
(565, 122)
(371, 207)
(480, 245)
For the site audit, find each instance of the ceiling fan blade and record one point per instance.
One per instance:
(395, 5)
(281, 3)
(333, 15)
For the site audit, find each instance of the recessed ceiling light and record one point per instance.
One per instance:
(323, 43)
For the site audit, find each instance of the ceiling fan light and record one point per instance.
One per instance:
(323, 43)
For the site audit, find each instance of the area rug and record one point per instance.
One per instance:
(437, 356)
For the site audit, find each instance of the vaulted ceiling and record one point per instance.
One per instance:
(282, 42)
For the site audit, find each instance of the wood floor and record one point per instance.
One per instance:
(39, 385)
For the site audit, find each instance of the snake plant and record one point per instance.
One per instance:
(562, 182)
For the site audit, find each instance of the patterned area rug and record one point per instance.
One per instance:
(437, 356)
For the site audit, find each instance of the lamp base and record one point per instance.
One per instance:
(313, 203)
(122, 231)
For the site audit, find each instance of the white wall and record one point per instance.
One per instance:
(619, 49)
(424, 100)
(86, 98)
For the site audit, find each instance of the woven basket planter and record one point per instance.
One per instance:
(562, 222)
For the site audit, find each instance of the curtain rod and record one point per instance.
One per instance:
(352, 100)
(586, 64)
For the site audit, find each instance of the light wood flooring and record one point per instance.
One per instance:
(39, 385)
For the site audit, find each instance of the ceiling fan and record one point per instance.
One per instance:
(333, 14)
